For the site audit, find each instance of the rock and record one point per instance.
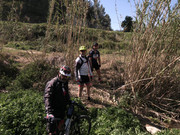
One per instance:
(152, 129)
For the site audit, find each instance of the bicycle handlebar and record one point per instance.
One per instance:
(72, 103)
(79, 105)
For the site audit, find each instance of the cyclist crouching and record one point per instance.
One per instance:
(56, 98)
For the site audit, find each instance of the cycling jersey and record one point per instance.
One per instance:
(82, 69)
(94, 54)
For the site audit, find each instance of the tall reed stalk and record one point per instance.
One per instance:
(70, 36)
(153, 72)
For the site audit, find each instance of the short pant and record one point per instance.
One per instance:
(84, 80)
(95, 65)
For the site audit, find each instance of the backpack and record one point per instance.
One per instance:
(82, 62)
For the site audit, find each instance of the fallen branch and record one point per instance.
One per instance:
(161, 108)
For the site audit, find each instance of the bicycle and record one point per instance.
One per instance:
(75, 124)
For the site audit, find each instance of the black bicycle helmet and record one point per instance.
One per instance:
(95, 44)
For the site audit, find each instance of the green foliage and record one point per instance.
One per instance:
(32, 36)
(25, 11)
(127, 24)
(106, 51)
(169, 132)
(113, 121)
(96, 16)
(16, 31)
(8, 71)
(22, 113)
(109, 45)
(23, 45)
(34, 75)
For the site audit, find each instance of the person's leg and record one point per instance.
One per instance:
(80, 89)
(88, 89)
(51, 128)
(88, 86)
(97, 68)
(99, 74)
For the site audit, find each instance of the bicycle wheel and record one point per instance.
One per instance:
(81, 126)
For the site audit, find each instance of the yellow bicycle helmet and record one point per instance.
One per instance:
(82, 48)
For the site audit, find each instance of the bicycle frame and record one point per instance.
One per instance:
(70, 118)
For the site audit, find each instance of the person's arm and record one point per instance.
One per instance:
(67, 93)
(48, 97)
(99, 60)
(89, 68)
(77, 67)
(90, 58)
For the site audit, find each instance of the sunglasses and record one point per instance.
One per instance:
(83, 50)
(66, 71)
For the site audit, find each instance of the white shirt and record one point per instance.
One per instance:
(85, 69)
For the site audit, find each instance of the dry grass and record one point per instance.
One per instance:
(152, 72)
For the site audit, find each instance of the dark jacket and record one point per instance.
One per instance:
(56, 99)
(94, 55)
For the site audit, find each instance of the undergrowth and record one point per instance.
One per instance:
(8, 70)
(33, 75)
(23, 112)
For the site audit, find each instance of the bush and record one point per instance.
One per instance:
(8, 71)
(31, 45)
(22, 113)
(113, 121)
(109, 45)
(169, 132)
(106, 51)
(35, 75)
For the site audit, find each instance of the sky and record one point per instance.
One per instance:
(122, 9)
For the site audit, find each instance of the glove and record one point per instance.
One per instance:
(69, 101)
(50, 118)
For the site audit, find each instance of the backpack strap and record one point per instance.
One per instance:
(82, 62)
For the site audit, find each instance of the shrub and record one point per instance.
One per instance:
(35, 75)
(8, 71)
(31, 45)
(113, 121)
(22, 113)
(109, 45)
(169, 132)
(106, 51)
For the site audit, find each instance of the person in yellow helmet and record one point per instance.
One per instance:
(83, 73)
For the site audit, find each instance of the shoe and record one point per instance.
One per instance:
(89, 98)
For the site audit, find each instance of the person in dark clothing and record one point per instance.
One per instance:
(95, 60)
(57, 97)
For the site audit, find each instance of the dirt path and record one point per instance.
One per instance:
(99, 97)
